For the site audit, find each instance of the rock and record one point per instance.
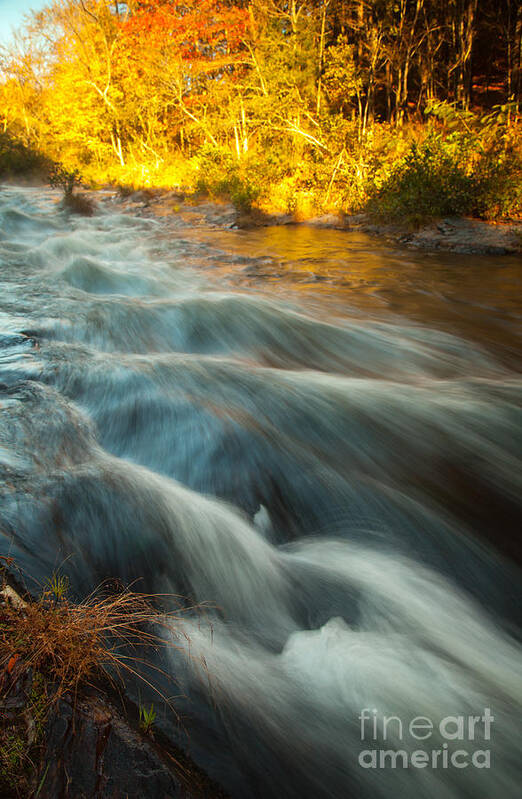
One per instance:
(452, 234)
(8, 594)
(468, 236)
(92, 753)
(334, 221)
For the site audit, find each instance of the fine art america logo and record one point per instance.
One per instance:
(442, 745)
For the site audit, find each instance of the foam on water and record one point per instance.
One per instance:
(336, 490)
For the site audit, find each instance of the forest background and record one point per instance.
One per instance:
(409, 109)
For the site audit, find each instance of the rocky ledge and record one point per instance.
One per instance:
(455, 234)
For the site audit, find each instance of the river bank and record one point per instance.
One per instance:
(462, 235)
(456, 234)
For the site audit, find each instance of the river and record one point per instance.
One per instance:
(313, 434)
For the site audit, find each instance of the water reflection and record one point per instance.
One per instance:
(476, 296)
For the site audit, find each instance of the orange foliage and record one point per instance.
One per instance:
(196, 29)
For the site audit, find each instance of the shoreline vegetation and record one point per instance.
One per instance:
(451, 234)
(459, 234)
(65, 717)
(407, 113)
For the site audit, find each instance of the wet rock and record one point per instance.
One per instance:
(451, 234)
(257, 218)
(335, 221)
(455, 234)
(92, 753)
(470, 236)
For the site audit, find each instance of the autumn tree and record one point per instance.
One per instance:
(182, 56)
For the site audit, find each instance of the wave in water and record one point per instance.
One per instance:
(336, 491)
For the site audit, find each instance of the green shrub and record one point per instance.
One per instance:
(220, 175)
(65, 179)
(498, 179)
(475, 172)
(429, 182)
(16, 158)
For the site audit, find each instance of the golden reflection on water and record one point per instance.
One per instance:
(341, 272)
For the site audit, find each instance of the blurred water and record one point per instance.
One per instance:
(313, 432)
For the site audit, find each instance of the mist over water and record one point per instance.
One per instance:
(314, 434)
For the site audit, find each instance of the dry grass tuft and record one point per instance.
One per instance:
(79, 204)
(73, 644)
(51, 646)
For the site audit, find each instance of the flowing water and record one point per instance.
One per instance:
(316, 435)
